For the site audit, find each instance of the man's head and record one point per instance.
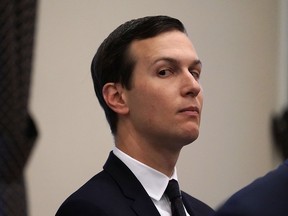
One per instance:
(114, 63)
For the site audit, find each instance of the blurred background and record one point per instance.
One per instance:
(243, 47)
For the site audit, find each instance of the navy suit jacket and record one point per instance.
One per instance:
(116, 191)
(266, 196)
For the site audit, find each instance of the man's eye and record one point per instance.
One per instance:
(196, 75)
(164, 73)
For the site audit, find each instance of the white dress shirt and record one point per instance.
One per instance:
(153, 181)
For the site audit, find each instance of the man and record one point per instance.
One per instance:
(266, 196)
(146, 77)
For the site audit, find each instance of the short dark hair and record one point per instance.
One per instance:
(112, 62)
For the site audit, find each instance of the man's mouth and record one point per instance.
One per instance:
(190, 109)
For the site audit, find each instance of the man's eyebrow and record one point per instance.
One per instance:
(196, 62)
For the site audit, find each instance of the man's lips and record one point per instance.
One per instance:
(190, 109)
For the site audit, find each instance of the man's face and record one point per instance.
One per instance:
(165, 100)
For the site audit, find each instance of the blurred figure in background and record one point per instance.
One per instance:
(17, 129)
(268, 195)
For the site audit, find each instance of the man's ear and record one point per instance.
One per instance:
(114, 97)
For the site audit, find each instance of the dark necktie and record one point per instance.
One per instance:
(174, 195)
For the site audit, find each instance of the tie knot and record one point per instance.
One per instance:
(172, 190)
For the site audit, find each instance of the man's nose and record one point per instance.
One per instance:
(191, 84)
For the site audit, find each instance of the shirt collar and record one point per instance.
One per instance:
(152, 180)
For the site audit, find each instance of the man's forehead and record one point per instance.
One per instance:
(171, 46)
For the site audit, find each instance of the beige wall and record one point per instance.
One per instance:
(237, 42)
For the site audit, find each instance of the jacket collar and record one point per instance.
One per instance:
(130, 187)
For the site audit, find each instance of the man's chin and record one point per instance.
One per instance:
(190, 139)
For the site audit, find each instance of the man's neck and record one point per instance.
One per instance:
(153, 155)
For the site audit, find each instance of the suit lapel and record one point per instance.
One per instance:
(188, 205)
(143, 207)
(130, 187)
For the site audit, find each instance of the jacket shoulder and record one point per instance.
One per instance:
(94, 197)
